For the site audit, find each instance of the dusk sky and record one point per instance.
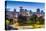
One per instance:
(26, 5)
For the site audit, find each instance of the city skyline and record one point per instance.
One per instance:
(26, 5)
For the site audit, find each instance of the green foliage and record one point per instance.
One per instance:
(7, 22)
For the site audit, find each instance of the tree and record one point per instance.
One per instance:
(41, 19)
(34, 17)
(22, 19)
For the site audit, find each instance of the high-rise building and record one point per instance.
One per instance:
(30, 11)
(42, 12)
(38, 10)
(25, 10)
(14, 10)
(21, 9)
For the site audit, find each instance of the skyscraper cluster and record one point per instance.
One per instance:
(25, 12)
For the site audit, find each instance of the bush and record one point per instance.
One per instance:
(7, 22)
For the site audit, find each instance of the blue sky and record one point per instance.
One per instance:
(26, 5)
(10, 0)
